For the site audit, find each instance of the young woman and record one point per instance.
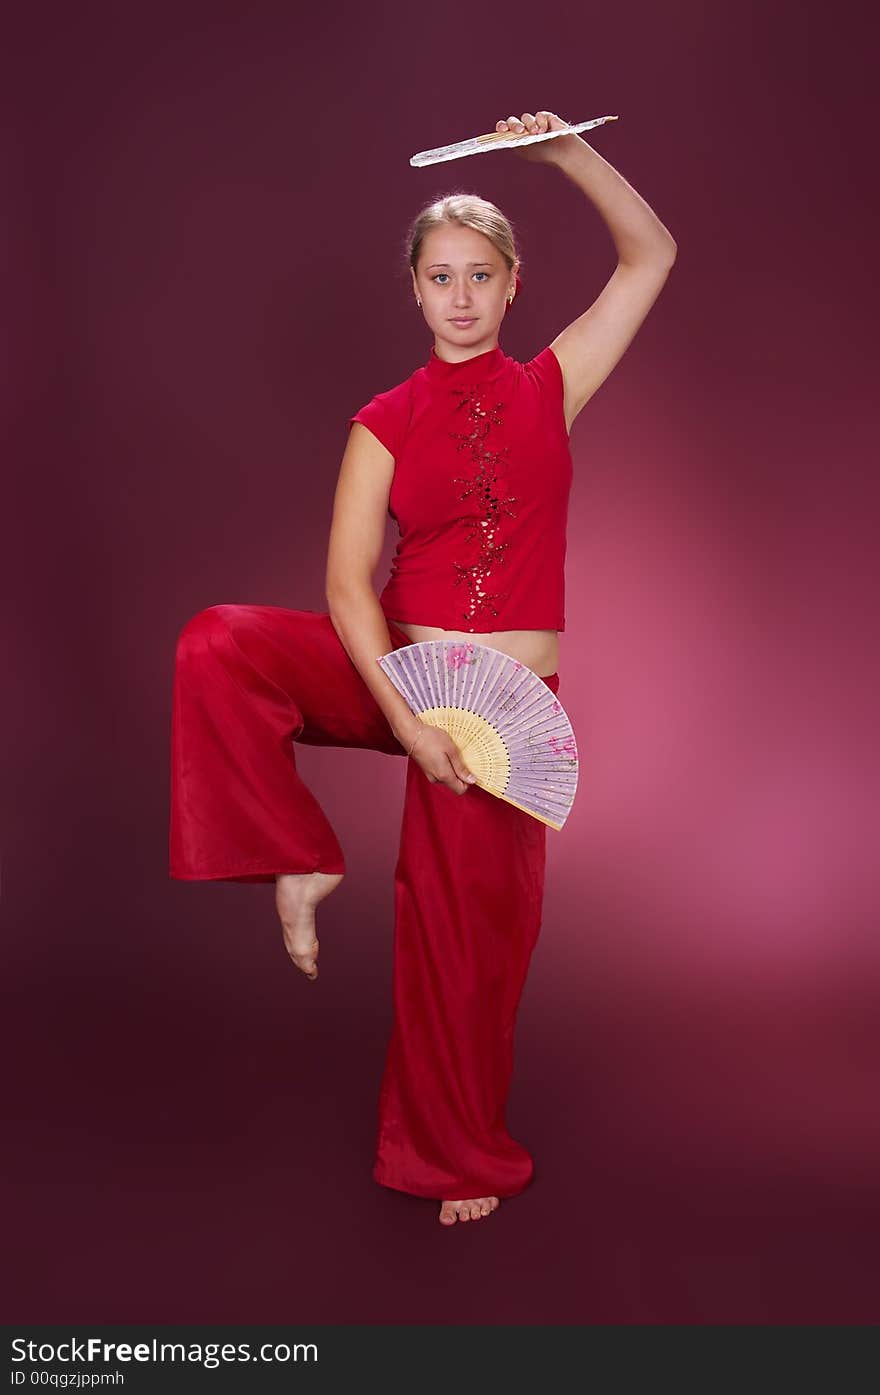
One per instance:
(470, 455)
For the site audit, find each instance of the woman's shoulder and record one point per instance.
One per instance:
(397, 395)
(544, 364)
(387, 414)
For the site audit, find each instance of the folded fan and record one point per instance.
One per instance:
(498, 140)
(511, 729)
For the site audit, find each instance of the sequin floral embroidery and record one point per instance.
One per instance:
(488, 485)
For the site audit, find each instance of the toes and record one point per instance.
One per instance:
(306, 960)
(470, 1210)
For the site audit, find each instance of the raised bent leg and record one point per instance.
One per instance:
(249, 682)
(469, 885)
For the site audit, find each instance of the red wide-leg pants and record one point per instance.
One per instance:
(252, 680)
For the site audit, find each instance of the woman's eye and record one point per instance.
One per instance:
(446, 274)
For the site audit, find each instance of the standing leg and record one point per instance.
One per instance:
(469, 887)
(249, 682)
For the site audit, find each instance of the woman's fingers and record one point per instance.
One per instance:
(440, 759)
(462, 774)
(540, 124)
(527, 124)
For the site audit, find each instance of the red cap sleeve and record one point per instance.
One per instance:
(546, 370)
(385, 417)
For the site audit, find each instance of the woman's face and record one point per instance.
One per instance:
(463, 282)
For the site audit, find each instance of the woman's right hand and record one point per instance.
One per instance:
(439, 757)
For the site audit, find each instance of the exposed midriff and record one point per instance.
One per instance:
(538, 649)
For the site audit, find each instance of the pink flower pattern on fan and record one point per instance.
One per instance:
(562, 748)
(458, 654)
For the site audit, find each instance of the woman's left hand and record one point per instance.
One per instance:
(529, 125)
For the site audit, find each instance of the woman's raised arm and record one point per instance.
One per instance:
(591, 346)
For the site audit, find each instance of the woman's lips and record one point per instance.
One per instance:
(466, 321)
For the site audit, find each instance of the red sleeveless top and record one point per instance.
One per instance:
(482, 475)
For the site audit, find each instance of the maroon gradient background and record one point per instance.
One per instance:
(206, 208)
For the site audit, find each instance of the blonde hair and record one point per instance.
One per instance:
(468, 211)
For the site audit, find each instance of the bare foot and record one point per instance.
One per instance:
(471, 1210)
(296, 896)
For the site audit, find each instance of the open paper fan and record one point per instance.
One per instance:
(511, 729)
